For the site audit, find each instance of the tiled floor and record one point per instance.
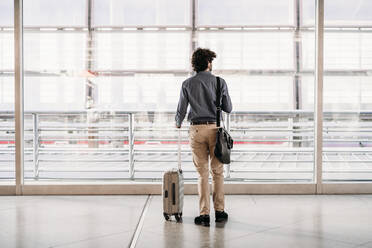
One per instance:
(255, 221)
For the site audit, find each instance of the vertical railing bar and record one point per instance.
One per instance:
(35, 118)
(368, 156)
(292, 129)
(318, 112)
(131, 145)
(18, 101)
(296, 164)
(280, 160)
(344, 160)
(262, 163)
(297, 79)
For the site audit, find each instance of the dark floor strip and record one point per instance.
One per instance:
(139, 226)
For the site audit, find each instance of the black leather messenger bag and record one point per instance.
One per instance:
(224, 142)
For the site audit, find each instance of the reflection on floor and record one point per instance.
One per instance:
(255, 221)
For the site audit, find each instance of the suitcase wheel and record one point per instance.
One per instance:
(178, 217)
(166, 216)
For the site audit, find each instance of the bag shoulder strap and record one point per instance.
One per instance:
(218, 101)
(179, 151)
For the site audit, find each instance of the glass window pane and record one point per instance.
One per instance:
(142, 50)
(339, 12)
(141, 92)
(307, 92)
(348, 50)
(245, 12)
(49, 93)
(308, 50)
(57, 51)
(6, 13)
(141, 13)
(79, 85)
(6, 51)
(260, 92)
(6, 92)
(249, 50)
(267, 117)
(55, 13)
(347, 116)
(342, 50)
(7, 123)
(340, 94)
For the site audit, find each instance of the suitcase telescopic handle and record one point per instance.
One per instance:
(179, 150)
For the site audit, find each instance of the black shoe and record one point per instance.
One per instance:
(202, 220)
(221, 216)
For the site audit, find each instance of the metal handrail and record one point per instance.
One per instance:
(131, 132)
(121, 112)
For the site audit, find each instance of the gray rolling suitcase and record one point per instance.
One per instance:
(173, 189)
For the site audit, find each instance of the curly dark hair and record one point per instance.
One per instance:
(200, 59)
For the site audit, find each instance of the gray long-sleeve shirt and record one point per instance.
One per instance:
(200, 92)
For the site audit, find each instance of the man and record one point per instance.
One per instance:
(200, 92)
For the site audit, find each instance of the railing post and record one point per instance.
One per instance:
(131, 145)
(35, 119)
(318, 94)
(291, 142)
(18, 95)
(228, 129)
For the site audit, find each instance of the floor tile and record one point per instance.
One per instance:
(284, 238)
(119, 240)
(54, 220)
(254, 221)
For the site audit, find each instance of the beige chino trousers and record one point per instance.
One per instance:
(202, 142)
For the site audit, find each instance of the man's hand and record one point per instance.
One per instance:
(178, 126)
